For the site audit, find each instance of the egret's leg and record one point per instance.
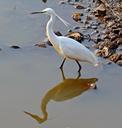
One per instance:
(62, 63)
(79, 74)
(62, 73)
(79, 66)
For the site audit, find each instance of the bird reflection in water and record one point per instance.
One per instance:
(69, 88)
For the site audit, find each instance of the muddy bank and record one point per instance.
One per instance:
(101, 21)
(97, 21)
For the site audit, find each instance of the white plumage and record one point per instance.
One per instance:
(74, 50)
(67, 47)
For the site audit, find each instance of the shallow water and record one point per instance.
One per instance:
(27, 74)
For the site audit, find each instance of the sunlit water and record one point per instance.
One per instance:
(27, 74)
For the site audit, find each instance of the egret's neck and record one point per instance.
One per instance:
(53, 38)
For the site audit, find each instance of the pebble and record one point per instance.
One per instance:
(76, 27)
(76, 36)
(119, 41)
(116, 31)
(94, 32)
(89, 18)
(88, 10)
(101, 10)
(88, 26)
(77, 16)
(105, 52)
(62, 2)
(98, 53)
(94, 27)
(79, 6)
(115, 57)
(42, 45)
(86, 22)
(81, 14)
(15, 47)
(108, 63)
(106, 18)
(110, 23)
(96, 23)
(119, 62)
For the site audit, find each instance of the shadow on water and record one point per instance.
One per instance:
(67, 89)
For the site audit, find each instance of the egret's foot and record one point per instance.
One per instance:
(61, 67)
(79, 74)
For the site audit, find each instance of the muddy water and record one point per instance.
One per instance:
(29, 73)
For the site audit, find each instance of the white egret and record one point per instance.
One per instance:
(67, 47)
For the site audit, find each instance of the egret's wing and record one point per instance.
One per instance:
(74, 50)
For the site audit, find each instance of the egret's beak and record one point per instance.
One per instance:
(37, 12)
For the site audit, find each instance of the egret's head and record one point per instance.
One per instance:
(48, 11)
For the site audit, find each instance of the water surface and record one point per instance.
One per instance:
(27, 74)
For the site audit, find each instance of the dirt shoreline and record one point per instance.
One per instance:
(104, 19)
